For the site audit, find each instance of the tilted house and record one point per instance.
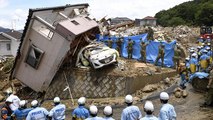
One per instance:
(49, 36)
(9, 42)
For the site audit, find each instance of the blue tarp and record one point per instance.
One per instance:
(200, 75)
(151, 49)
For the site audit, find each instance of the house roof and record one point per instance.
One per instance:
(14, 34)
(149, 18)
(121, 18)
(2, 37)
(31, 11)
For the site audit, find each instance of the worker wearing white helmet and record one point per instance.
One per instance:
(108, 112)
(38, 113)
(193, 62)
(187, 62)
(93, 113)
(210, 54)
(80, 112)
(5, 110)
(22, 111)
(131, 112)
(58, 111)
(204, 61)
(149, 109)
(167, 111)
(208, 39)
(15, 99)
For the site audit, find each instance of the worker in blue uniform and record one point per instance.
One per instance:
(22, 112)
(108, 112)
(57, 112)
(204, 61)
(131, 112)
(167, 111)
(38, 113)
(93, 113)
(193, 62)
(80, 112)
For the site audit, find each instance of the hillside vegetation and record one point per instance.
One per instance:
(192, 13)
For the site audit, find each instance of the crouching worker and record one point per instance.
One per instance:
(149, 109)
(22, 112)
(58, 112)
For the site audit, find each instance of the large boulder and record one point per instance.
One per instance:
(150, 88)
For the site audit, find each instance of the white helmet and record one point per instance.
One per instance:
(199, 47)
(128, 99)
(194, 55)
(191, 50)
(108, 110)
(207, 37)
(208, 44)
(9, 100)
(164, 96)
(187, 59)
(34, 103)
(93, 109)
(149, 106)
(208, 48)
(205, 51)
(81, 100)
(56, 100)
(22, 103)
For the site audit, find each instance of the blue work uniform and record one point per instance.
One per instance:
(108, 118)
(203, 62)
(38, 113)
(209, 53)
(21, 113)
(187, 64)
(58, 112)
(167, 112)
(80, 112)
(131, 113)
(149, 117)
(208, 40)
(95, 118)
(193, 62)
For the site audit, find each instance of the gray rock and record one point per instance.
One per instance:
(150, 88)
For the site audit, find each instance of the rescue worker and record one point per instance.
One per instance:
(191, 51)
(81, 112)
(109, 42)
(119, 43)
(209, 54)
(6, 111)
(15, 99)
(38, 113)
(149, 109)
(193, 63)
(22, 111)
(57, 112)
(131, 112)
(209, 96)
(93, 113)
(167, 111)
(187, 63)
(198, 52)
(143, 51)
(161, 54)
(177, 56)
(150, 34)
(208, 39)
(183, 72)
(130, 48)
(200, 40)
(204, 61)
(108, 113)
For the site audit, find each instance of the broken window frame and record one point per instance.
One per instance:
(29, 56)
(75, 22)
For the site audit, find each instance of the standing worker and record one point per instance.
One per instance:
(58, 112)
(108, 113)
(38, 113)
(6, 111)
(143, 51)
(167, 111)
(109, 42)
(93, 113)
(149, 109)
(22, 111)
(150, 34)
(161, 54)
(177, 56)
(131, 112)
(209, 54)
(204, 61)
(130, 48)
(193, 63)
(81, 112)
(119, 43)
(15, 99)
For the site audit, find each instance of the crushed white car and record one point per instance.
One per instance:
(96, 55)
